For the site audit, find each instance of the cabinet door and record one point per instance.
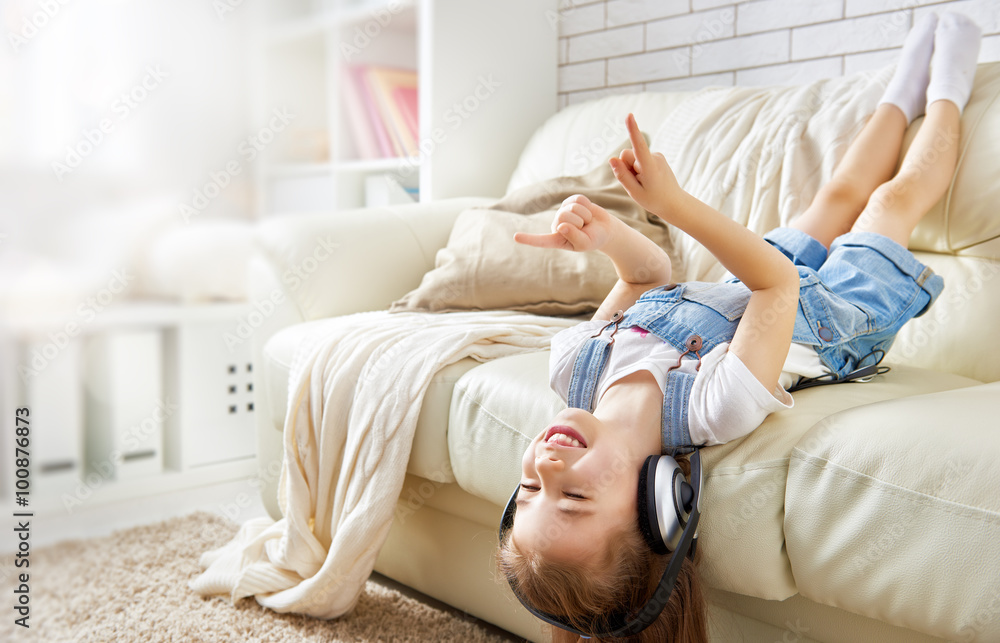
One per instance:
(53, 392)
(213, 380)
(125, 403)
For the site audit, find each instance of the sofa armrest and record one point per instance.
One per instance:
(357, 260)
(313, 266)
(891, 511)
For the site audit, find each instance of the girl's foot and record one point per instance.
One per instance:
(953, 67)
(908, 88)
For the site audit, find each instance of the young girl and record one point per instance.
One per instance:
(702, 364)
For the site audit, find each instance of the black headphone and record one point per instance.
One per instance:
(669, 508)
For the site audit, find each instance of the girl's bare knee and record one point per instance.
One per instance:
(842, 195)
(892, 211)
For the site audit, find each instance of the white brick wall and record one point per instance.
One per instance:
(621, 46)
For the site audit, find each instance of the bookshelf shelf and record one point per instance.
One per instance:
(292, 29)
(485, 79)
(400, 164)
(396, 164)
(296, 29)
(299, 169)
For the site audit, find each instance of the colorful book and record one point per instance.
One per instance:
(377, 123)
(381, 108)
(406, 98)
(357, 115)
(383, 83)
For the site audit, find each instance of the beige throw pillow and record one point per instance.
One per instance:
(483, 268)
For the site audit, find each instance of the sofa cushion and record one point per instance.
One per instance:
(498, 407)
(899, 495)
(429, 456)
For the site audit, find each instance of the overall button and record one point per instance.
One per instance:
(669, 286)
(825, 334)
(693, 343)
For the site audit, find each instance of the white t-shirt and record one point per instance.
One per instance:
(727, 401)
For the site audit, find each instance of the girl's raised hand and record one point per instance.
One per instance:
(579, 225)
(646, 177)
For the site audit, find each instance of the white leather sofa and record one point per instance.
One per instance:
(867, 513)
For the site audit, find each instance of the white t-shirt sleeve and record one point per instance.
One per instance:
(563, 350)
(727, 401)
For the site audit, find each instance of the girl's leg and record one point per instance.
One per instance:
(897, 206)
(869, 162)
(871, 158)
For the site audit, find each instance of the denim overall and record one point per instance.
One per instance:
(693, 317)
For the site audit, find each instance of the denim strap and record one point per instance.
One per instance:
(590, 363)
(675, 435)
(587, 369)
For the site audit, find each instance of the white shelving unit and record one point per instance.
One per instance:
(487, 79)
(144, 398)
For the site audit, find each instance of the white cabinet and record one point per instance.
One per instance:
(140, 399)
(486, 79)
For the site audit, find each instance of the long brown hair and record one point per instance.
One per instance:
(584, 597)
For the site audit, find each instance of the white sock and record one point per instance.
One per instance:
(908, 88)
(953, 67)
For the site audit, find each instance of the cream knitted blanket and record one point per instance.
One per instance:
(355, 392)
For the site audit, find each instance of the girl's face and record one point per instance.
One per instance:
(579, 482)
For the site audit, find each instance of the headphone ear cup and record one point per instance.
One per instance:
(646, 505)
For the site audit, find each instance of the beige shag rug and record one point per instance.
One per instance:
(132, 586)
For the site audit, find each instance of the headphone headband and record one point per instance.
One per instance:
(625, 624)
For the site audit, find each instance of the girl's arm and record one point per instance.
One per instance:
(582, 225)
(765, 331)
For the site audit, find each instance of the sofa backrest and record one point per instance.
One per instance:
(959, 237)
(580, 137)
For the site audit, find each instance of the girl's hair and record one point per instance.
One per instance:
(584, 597)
